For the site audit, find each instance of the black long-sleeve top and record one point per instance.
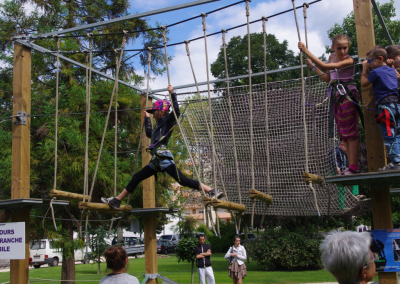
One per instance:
(163, 125)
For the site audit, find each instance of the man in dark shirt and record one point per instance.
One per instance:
(203, 261)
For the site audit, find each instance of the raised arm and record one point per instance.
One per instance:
(364, 75)
(322, 65)
(175, 104)
(147, 124)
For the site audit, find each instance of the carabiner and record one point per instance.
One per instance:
(341, 90)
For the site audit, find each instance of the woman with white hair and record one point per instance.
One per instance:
(348, 257)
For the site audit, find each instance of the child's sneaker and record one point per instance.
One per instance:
(390, 167)
(113, 202)
(220, 194)
(349, 171)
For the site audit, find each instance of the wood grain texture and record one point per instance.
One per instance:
(149, 201)
(376, 155)
(261, 196)
(67, 195)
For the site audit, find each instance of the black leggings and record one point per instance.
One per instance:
(172, 170)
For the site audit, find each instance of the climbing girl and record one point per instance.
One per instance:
(345, 112)
(162, 159)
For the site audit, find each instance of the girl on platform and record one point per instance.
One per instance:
(162, 159)
(346, 112)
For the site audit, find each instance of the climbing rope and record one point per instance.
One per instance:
(250, 97)
(118, 63)
(264, 19)
(203, 16)
(304, 111)
(232, 127)
(314, 124)
(56, 117)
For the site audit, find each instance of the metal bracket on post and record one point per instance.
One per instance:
(20, 118)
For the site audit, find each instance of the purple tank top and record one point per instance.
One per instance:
(345, 75)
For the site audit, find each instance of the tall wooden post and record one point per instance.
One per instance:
(20, 173)
(149, 201)
(380, 197)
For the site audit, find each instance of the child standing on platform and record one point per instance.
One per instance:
(385, 86)
(345, 111)
(393, 52)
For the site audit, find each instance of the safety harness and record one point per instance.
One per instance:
(385, 117)
(344, 92)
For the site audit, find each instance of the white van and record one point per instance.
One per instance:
(42, 252)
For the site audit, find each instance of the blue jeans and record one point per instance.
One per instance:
(390, 135)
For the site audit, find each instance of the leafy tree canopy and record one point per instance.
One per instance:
(348, 27)
(278, 56)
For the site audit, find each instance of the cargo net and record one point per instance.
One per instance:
(292, 196)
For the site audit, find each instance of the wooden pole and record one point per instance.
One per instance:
(149, 201)
(20, 172)
(376, 155)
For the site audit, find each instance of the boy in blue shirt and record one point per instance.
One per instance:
(384, 81)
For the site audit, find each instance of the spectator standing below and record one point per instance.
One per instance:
(203, 261)
(117, 261)
(237, 254)
(347, 256)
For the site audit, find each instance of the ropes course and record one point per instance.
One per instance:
(268, 147)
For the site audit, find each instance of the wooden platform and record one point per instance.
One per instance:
(15, 205)
(377, 179)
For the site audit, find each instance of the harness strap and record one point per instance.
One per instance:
(331, 131)
(389, 115)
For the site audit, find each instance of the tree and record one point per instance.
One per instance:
(278, 56)
(348, 27)
(184, 251)
(98, 244)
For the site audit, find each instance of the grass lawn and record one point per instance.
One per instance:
(180, 272)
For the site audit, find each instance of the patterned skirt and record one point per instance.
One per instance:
(346, 118)
(237, 271)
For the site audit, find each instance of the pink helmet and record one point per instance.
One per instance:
(160, 105)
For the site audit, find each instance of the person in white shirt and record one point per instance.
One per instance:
(236, 256)
(117, 261)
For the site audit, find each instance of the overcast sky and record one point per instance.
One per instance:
(321, 16)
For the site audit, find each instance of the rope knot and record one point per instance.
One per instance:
(305, 6)
(264, 19)
(164, 33)
(124, 39)
(247, 8)
(57, 41)
(223, 37)
(89, 35)
(149, 48)
(204, 15)
(187, 47)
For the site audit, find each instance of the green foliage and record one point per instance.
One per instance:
(278, 56)
(97, 243)
(222, 244)
(62, 241)
(185, 227)
(184, 250)
(283, 249)
(348, 27)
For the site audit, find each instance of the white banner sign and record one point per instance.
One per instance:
(12, 240)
